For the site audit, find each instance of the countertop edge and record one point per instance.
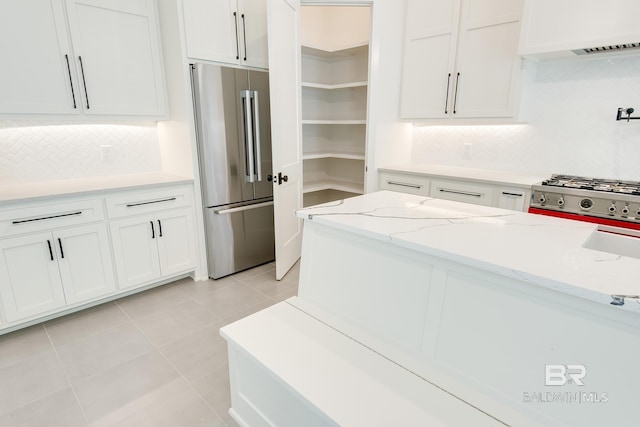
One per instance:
(41, 191)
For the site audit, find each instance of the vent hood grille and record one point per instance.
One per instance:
(607, 49)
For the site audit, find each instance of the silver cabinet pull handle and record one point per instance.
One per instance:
(84, 81)
(244, 36)
(404, 184)
(463, 193)
(446, 100)
(455, 98)
(170, 199)
(235, 19)
(22, 221)
(73, 93)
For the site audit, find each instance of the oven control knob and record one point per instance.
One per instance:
(542, 198)
(586, 204)
(612, 208)
(625, 210)
(561, 201)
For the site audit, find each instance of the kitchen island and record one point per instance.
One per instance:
(504, 310)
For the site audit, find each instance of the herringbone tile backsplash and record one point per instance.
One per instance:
(32, 151)
(569, 107)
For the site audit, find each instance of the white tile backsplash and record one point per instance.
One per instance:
(32, 151)
(569, 107)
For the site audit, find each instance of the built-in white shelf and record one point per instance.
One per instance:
(333, 184)
(333, 155)
(346, 50)
(336, 86)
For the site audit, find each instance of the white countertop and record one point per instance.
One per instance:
(537, 249)
(32, 190)
(477, 175)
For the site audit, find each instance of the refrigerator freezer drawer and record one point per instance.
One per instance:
(239, 237)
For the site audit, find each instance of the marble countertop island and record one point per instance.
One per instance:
(539, 250)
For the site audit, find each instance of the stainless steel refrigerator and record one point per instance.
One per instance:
(234, 151)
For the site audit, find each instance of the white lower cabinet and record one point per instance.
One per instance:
(149, 247)
(45, 271)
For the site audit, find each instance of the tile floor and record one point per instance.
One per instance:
(150, 359)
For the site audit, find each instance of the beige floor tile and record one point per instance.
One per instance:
(96, 353)
(28, 342)
(196, 289)
(254, 271)
(248, 311)
(152, 301)
(267, 284)
(175, 322)
(59, 409)
(112, 390)
(214, 389)
(226, 301)
(172, 404)
(30, 379)
(198, 353)
(84, 323)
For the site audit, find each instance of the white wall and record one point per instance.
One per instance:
(570, 108)
(37, 150)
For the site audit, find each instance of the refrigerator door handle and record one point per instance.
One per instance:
(247, 119)
(256, 131)
(243, 208)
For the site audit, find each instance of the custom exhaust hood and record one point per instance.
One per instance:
(618, 48)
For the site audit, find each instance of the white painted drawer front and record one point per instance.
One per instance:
(457, 191)
(404, 183)
(142, 202)
(38, 217)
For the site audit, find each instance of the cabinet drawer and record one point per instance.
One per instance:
(38, 217)
(141, 202)
(514, 199)
(404, 183)
(459, 191)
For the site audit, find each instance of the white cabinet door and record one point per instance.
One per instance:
(117, 57)
(176, 241)
(85, 263)
(487, 60)
(512, 199)
(429, 56)
(211, 27)
(135, 250)
(253, 17)
(30, 281)
(35, 77)
(229, 31)
(286, 132)
(460, 59)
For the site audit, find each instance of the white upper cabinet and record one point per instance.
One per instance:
(117, 54)
(557, 27)
(228, 31)
(460, 59)
(36, 72)
(106, 61)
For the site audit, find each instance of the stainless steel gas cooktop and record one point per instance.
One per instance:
(617, 202)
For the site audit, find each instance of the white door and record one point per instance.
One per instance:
(117, 56)
(175, 241)
(428, 79)
(30, 282)
(85, 263)
(284, 82)
(212, 30)
(34, 76)
(488, 60)
(253, 20)
(135, 250)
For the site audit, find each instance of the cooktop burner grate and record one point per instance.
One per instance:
(594, 184)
